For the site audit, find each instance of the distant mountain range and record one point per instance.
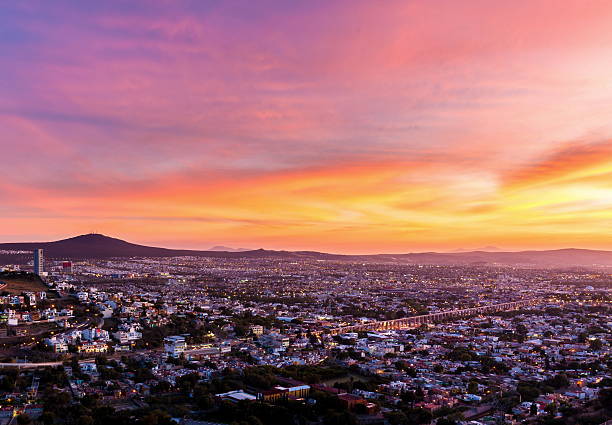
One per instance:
(100, 246)
(486, 248)
(227, 249)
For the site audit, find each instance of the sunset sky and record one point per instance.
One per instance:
(341, 126)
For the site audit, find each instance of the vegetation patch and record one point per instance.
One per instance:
(18, 282)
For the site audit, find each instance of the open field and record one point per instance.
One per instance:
(16, 283)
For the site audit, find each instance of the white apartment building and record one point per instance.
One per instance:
(175, 345)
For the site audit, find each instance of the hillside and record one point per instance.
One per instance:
(16, 283)
(100, 246)
(550, 258)
(92, 246)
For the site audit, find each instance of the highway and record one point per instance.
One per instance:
(42, 364)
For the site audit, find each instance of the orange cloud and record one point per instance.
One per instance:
(575, 161)
(319, 125)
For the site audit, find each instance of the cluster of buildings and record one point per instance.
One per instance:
(185, 316)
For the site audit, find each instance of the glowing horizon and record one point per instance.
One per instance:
(323, 125)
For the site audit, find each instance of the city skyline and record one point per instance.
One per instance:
(329, 126)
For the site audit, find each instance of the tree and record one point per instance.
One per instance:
(605, 397)
(397, 418)
(558, 381)
(472, 387)
(551, 409)
(254, 420)
(419, 416)
(595, 344)
(405, 367)
(527, 391)
(47, 418)
(521, 329)
(521, 332)
(419, 394)
(340, 418)
(85, 420)
(361, 409)
(23, 419)
(408, 397)
(205, 401)
(157, 417)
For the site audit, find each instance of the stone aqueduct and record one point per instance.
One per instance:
(415, 321)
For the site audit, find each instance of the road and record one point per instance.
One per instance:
(42, 364)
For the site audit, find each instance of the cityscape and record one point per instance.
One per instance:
(242, 339)
(306, 212)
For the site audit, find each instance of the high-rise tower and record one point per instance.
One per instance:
(39, 261)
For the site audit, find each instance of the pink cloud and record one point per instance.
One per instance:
(100, 100)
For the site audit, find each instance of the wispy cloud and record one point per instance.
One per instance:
(415, 125)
